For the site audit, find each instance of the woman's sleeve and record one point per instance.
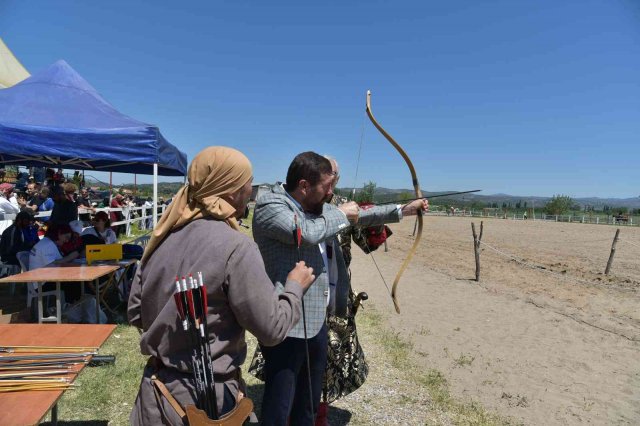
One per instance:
(254, 300)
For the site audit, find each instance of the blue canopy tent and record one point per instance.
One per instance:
(56, 118)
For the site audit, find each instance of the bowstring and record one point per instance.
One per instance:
(355, 179)
(353, 195)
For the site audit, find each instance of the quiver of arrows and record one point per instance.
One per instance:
(192, 305)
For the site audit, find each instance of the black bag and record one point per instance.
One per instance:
(132, 251)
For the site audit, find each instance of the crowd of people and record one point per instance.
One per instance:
(54, 221)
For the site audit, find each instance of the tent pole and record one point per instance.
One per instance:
(135, 184)
(110, 188)
(155, 194)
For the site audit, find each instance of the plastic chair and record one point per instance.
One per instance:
(32, 288)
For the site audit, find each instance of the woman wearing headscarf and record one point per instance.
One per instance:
(199, 232)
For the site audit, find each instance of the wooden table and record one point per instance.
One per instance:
(30, 407)
(60, 273)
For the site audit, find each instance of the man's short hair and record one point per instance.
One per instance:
(308, 166)
(69, 188)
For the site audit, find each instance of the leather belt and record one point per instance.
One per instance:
(156, 364)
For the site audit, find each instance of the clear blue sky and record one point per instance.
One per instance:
(518, 97)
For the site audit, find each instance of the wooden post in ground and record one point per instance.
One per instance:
(613, 252)
(476, 247)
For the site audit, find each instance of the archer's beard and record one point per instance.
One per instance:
(316, 209)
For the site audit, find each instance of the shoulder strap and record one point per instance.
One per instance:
(165, 392)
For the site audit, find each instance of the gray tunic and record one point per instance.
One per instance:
(240, 295)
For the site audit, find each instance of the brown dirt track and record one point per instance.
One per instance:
(559, 345)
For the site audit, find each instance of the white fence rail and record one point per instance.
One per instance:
(595, 219)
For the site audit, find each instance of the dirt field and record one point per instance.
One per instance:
(559, 345)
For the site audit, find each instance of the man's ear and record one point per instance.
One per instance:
(303, 184)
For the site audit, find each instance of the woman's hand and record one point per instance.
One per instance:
(302, 274)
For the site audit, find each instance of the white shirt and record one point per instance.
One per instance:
(323, 251)
(9, 207)
(108, 235)
(43, 253)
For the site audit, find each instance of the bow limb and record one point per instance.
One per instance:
(418, 192)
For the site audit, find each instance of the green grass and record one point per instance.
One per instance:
(107, 393)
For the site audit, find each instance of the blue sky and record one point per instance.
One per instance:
(519, 97)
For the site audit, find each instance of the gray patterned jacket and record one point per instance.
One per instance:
(273, 227)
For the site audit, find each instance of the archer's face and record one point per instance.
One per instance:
(316, 195)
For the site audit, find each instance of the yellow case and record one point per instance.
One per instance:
(103, 252)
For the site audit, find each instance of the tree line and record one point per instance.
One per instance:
(558, 205)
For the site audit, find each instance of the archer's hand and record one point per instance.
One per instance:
(412, 208)
(351, 210)
(302, 274)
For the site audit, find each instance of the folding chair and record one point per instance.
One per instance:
(32, 288)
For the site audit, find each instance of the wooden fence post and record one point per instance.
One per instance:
(476, 247)
(613, 252)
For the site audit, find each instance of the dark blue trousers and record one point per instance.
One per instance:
(286, 391)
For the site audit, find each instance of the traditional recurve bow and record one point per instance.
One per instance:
(416, 187)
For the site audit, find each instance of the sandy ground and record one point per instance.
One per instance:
(559, 345)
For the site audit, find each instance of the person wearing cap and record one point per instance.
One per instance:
(20, 236)
(199, 232)
(8, 205)
(101, 229)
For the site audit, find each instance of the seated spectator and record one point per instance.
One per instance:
(101, 229)
(8, 204)
(148, 211)
(21, 181)
(84, 202)
(32, 190)
(116, 216)
(65, 209)
(58, 178)
(49, 173)
(75, 243)
(21, 236)
(41, 203)
(46, 252)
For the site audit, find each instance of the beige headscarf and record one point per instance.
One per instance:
(216, 171)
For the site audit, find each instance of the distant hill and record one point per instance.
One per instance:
(388, 194)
